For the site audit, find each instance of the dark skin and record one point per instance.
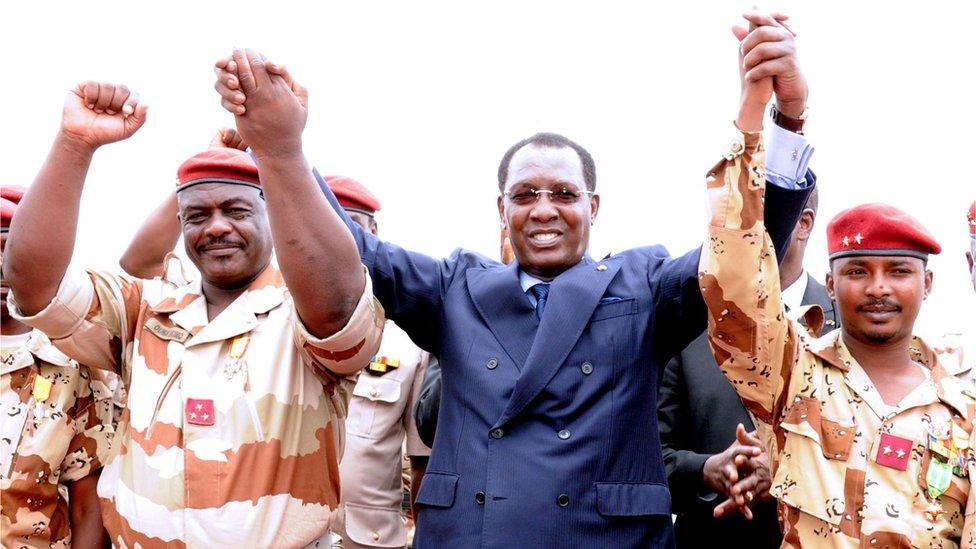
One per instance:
(85, 513)
(159, 233)
(226, 235)
(8, 324)
(548, 238)
(317, 256)
(879, 298)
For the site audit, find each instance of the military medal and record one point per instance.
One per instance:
(380, 365)
(200, 411)
(934, 512)
(42, 388)
(938, 477)
(235, 360)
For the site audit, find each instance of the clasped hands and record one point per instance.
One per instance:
(741, 473)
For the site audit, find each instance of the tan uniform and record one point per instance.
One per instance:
(849, 470)
(958, 357)
(380, 418)
(56, 429)
(233, 426)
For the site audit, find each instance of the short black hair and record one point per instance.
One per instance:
(552, 141)
(813, 201)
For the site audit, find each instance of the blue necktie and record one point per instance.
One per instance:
(540, 292)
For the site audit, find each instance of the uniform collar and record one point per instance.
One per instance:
(941, 385)
(38, 345)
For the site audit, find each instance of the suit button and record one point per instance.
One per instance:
(587, 368)
(562, 500)
(497, 433)
(480, 498)
(563, 434)
(376, 535)
(492, 363)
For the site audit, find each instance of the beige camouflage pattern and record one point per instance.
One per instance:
(59, 433)
(819, 414)
(379, 426)
(265, 472)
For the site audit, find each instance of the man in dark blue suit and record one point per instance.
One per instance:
(547, 435)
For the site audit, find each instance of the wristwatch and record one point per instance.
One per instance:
(794, 125)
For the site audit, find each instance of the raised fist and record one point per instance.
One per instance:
(228, 138)
(98, 113)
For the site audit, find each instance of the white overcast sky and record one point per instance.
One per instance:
(418, 100)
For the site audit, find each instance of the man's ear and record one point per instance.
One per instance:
(501, 212)
(829, 283)
(805, 224)
(594, 207)
(928, 283)
(971, 261)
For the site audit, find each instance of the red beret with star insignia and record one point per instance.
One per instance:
(878, 229)
(352, 195)
(10, 196)
(218, 165)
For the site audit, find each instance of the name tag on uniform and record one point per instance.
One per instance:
(200, 411)
(170, 334)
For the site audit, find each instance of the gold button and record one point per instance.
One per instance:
(376, 536)
(374, 393)
(601, 268)
(842, 433)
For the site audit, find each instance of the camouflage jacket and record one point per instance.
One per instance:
(233, 428)
(849, 470)
(57, 428)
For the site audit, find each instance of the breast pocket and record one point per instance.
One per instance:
(813, 459)
(372, 395)
(614, 322)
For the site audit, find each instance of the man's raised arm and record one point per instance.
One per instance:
(316, 254)
(42, 236)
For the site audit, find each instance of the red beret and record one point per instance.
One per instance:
(220, 165)
(972, 219)
(352, 194)
(10, 196)
(878, 229)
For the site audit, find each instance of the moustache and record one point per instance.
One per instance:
(875, 305)
(219, 242)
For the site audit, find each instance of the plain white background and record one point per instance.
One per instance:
(419, 100)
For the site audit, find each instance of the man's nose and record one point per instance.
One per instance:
(218, 226)
(878, 286)
(544, 209)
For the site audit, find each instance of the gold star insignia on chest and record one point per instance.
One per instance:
(380, 365)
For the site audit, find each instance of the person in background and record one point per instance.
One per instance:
(958, 350)
(870, 440)
(58, 429)
(380, 423)
(237, 381)
(699, 412)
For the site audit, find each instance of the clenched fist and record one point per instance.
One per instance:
(97, 113)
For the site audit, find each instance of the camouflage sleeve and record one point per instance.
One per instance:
(350, 349)
(92, 443)
(415, 446)
(969, 523)
(91, 318)
(750, 337)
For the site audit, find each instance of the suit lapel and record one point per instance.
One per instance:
(505, 308)
(572, 298)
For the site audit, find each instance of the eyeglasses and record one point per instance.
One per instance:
(560, 195)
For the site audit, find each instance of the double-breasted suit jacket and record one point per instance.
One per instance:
(547, 434)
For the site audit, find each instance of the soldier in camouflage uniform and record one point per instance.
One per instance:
(237, 380)
(870, 439)
(56, 432)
